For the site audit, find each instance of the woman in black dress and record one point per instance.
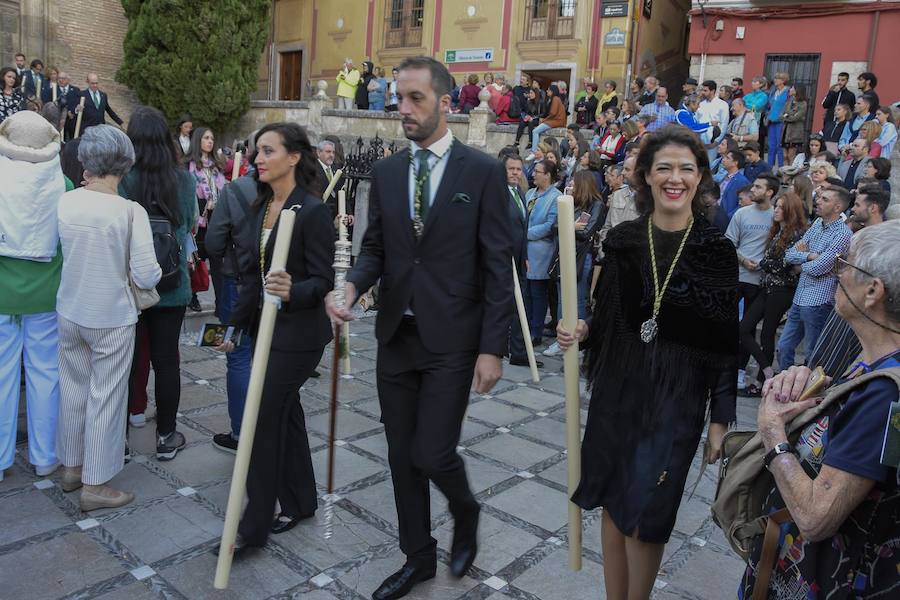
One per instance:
(280, 464)
(662, 347)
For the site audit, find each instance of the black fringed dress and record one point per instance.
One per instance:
(649, 401)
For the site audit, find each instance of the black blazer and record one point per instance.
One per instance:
(92, 114)
(518, 231)
(30, 80)
(458, 277)
(301, 324)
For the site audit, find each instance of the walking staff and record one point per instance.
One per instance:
(440, 243)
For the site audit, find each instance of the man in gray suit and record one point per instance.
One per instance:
(854, 166)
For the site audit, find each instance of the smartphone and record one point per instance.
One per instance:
(584, 217)
(814, 386)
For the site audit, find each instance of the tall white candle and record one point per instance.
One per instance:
(342, 213)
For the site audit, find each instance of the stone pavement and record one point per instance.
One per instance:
(161, 545)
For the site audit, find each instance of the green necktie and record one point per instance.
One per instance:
(423, 182)
(96, 96)
(521, 205)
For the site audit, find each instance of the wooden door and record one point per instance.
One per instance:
(291, 75)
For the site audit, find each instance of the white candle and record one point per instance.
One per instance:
(342, 213)
(236, 168)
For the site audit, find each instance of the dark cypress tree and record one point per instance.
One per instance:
(197, 57)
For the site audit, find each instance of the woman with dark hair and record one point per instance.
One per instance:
(280, 465)
(11, 99)
(531, 114)
(367, 74)
(609, 99)
(794, 118)
(72, 168)
(167, 194)
(880, 169)
(555, 117)
(183, 138)
(777, 286)
(662, 345)
(207, 167)
(468, 95)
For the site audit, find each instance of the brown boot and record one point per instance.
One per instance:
(103, 496)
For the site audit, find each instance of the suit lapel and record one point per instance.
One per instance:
(451, 171)
(399, 173)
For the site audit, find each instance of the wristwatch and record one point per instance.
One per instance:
(782, 448)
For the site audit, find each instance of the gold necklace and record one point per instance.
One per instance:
(649, 328)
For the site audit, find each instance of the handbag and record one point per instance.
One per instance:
(143, 299)
(199, 275)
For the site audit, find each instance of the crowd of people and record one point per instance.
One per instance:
(691, 249)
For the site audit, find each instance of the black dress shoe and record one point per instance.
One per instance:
(284, 523)
(465, 546)
(536, 342)
(315, 374)
(240, 547)
(523, 362)
(401, 583)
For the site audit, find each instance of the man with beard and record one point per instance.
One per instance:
(441, 245)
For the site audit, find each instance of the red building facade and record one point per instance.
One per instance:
(812, 41)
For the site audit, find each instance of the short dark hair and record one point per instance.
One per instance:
(882, 167)
(835, 182)
(870, 77)
(875, 194)
(37, 62)
(631, 146)
(669, 135)
(551, 168)
(738, 157)
(843, 196)
(574, 127)
(508, 154)
(745, 190)
(844, 74)
(753, 146)
(18, 54)
(611, 83)
(441, 81)
(740, 80)
(639, 82)
(772, 183)
(710, 84)
(591, 85)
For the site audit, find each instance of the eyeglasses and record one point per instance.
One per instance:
(841, 263)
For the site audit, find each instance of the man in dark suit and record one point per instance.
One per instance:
(96, 105)
(518, 218)
(439, 240)
(325, 155)
(21, 68)
(67, 97)
(34, 81)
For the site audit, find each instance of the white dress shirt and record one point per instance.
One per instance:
(93, 229)
(715, 110)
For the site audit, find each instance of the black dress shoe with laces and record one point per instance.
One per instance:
(402, 582)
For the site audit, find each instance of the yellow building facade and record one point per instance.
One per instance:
(550, 40)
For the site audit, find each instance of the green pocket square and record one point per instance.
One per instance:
(461, 198)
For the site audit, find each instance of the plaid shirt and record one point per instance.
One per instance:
(665, 114)
(817, 284)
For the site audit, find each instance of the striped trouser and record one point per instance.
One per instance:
(94, 365)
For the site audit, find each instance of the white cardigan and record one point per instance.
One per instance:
(93, 228)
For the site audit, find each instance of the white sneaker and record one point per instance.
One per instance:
(45, 471)
(138, 420)
(741, 376)
(553, 350)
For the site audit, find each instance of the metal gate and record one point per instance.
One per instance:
(803, 69)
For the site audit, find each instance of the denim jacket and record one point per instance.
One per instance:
(541, 238)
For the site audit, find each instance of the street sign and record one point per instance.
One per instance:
(614, 8)
(469, 55)
(615, 37)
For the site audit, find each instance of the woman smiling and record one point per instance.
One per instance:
(662, 341)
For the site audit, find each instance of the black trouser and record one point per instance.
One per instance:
(748, 293)
(423, 400)
(162, 325)
(769, 306)
(516, 340)
(280, 464)
(526, 126)
(553, 303)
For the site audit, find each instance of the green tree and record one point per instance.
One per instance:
(196, 57)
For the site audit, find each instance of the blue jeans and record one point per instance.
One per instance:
(803, 323)
(237, 376)
(535, 297)
(776, 152)
(536, 135)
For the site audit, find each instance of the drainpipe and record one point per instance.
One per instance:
(876, 17)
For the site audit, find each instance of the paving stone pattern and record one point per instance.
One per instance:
(161, 545)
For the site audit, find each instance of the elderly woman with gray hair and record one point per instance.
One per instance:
(836, 496)
(106, 240)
